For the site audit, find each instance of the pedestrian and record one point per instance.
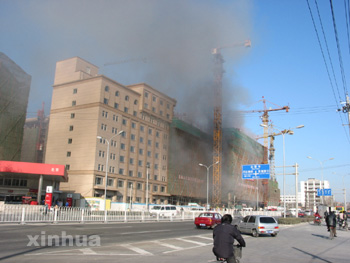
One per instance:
(224, 235)
(331, 222)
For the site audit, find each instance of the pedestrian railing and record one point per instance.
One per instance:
(35, 214)
(23, 214)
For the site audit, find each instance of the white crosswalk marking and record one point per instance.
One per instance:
(167, 245)
(88, 251)
(137, 250)
(192, 241)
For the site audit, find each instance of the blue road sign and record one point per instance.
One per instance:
(256, 171)
(325, 192)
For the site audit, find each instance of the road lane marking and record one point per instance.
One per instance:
(167, 245)
(88, 251)
(143, 232)
(137, 250)
(209, 238)
(194, 242)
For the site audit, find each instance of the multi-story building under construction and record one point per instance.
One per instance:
(14, 93)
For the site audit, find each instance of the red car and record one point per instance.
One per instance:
(208, 219)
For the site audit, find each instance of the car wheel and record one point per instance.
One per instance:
(273, 235)
(198, 227)
(255, 233)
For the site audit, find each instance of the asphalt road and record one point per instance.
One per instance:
(169, 242)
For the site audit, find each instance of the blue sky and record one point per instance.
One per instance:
(284, 64)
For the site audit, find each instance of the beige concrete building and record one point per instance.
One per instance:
(86, 105)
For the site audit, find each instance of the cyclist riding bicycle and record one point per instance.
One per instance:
(224, 236)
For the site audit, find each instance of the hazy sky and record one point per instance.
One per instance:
(168, 45)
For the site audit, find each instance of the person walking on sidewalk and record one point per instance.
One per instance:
(331, 221)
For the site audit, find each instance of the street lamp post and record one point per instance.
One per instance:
(106, 176)
(208, 167)
(283, 133)
(322, 182)
(345, 207)
(147, 187)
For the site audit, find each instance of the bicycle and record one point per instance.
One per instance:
(237, 251)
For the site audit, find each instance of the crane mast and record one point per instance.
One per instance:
(217, 135)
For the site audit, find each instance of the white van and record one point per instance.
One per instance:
(163, 210)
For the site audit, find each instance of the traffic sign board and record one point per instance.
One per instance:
(325, 192)
(256, 171)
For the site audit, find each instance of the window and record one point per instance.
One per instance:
(162, 189)
(101, 154)
(105, 114)
(142, 128)
(156, 155)
(146, 106)
(135, 102)
(149, 153)
(140, 151)
(153, 109)
(168, 106)
(72, 115)
(130, 185)
(134, 113)
(107, 88)
(105, 101)
(155, 188)
(98, 180)
(141, 139)
(124, 122)
(121, 171)
(133, 137)
(67, 167)
(103, 127)
(131, 173)
(111, 169)
(120, 183)
(74, 102)
(69, 154)
(70, 140)
(127, 98)
(154, 98)
(139, 174)
(100, 167)
(112, 156)
(157, 144)
(155, 166)
(168, 116)
(110, 182)
(116, 105)
(126, 110)
(161, 102)
(133, 125)
(122, 146)
(121, 159)
(150, 131)
(75, 91)
(115, 118)
(131, 160)
(139, 186)
(149, 142)
(117, 93)
(157, 134)
(132, 149)
(155, 177)
(140, 163)
(146, 94)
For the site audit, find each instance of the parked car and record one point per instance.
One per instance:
(309, 212)
(208, 219)
(301, 214)
(258, 224)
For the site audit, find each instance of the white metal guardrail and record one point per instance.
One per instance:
(23, 214)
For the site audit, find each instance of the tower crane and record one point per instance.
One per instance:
(217, 135)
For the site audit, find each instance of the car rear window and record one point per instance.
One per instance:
(205, 215)
(267, 220)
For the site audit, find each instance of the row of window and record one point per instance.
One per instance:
(112, 169)
(13, 182)
(154, 99)
(120, 184)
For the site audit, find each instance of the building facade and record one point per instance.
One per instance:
(93, 118)
(308, 193)
(14, 93)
